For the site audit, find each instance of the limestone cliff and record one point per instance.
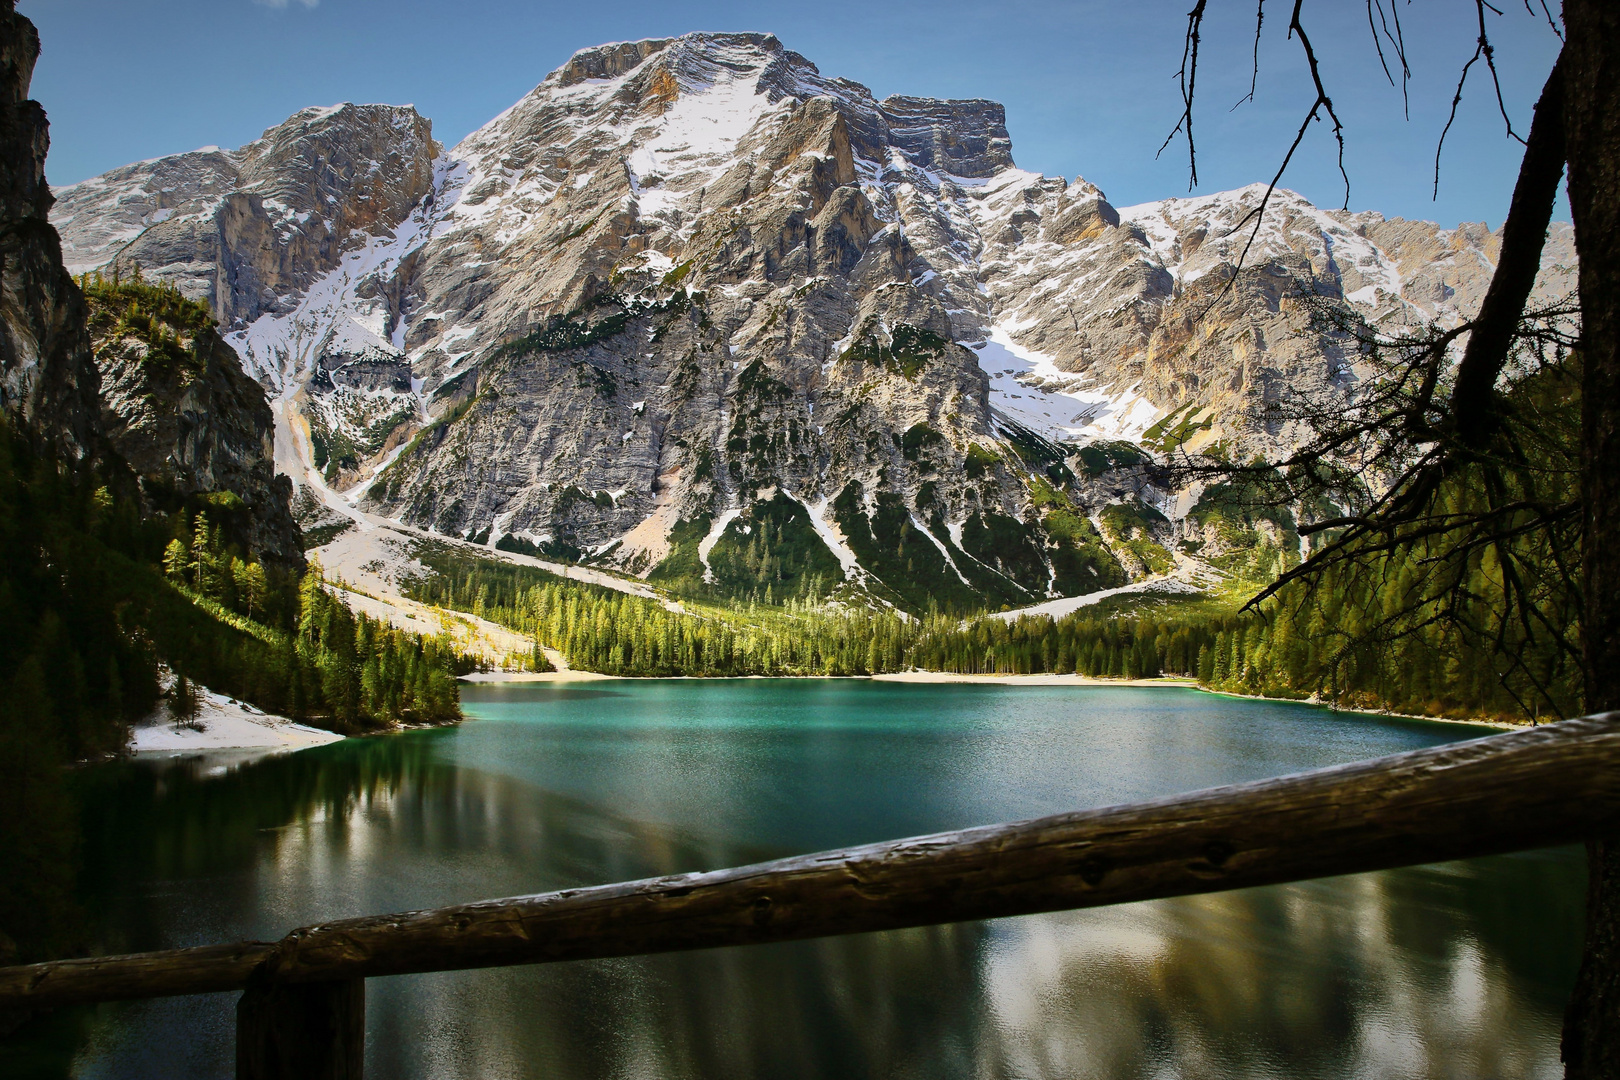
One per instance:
(156, 390)
(47, 379)
(247, 230)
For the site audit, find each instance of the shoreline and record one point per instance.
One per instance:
(566, 675)
(1500, 725)
(939, 677)
(1048, 679)
(224, 724)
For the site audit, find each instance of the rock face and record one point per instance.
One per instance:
(177, 407)
(1136, 300)
(47, 380)
(696, 309)
(247, 229)
(156, 389)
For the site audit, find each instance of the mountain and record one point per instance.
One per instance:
(694, 310)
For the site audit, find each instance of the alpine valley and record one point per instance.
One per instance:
(693, 312)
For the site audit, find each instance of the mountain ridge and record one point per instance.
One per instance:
(686, 278)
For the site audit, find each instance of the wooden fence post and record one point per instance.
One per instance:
(302, 1031)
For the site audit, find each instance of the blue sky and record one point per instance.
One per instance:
(1089, 86)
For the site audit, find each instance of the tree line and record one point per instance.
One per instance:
(1332, 641)
(599, 629)
(298, 650)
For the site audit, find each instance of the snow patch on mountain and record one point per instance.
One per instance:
(1029, 389)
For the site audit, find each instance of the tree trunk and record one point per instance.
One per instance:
(1592, 131)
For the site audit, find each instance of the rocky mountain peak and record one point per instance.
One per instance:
(693, 59)
(247, 229)
(962, 138)
(368, 163)
(686, 279)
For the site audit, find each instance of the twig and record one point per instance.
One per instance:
(1254, 75)
(1188, 77)
(1482, 48)
(1322, 103)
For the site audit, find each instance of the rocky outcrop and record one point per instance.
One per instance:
(47, 380)
(957, 138)
(691, 292)
(246, 230)
(177, 407)
(153, 388)
(1141, 301)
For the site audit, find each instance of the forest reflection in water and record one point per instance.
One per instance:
(1449, 971)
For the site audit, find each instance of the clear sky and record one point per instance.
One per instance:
(1089, 86)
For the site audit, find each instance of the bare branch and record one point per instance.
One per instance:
(1398, 42)
(1482, 49)
(1254, 75)
(1550, 20)
(1456, 99)
(1489, 52)
(1378, 45)
(1188, 77)
(1322, 103)
(1297, 27)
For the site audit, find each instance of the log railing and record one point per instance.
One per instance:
(302, 1010)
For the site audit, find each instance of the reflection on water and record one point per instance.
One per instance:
(1340, 978)
(1458, 970)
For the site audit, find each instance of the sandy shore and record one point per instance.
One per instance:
(535, 676)
(900, 677)
(223, 724)
(1023, 680)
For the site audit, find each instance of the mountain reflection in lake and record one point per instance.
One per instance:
(1451, 971)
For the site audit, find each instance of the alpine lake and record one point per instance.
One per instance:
(1455, 970)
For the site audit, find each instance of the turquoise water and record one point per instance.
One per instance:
(1449, 971)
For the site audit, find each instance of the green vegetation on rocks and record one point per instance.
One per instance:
(769, 554)
(1236, 528)
(584, 326)
(907, 352)
(909, 566)
(1171, 431)
(1097, 458)
(1081, 561)
(171, 327)
(1129, 525)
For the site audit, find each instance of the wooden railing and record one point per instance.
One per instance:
(302, 1011)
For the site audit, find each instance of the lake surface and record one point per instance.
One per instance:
(1458, 970)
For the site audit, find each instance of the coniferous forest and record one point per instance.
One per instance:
(1366, 636)
(1472, 615)
(100, 596)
